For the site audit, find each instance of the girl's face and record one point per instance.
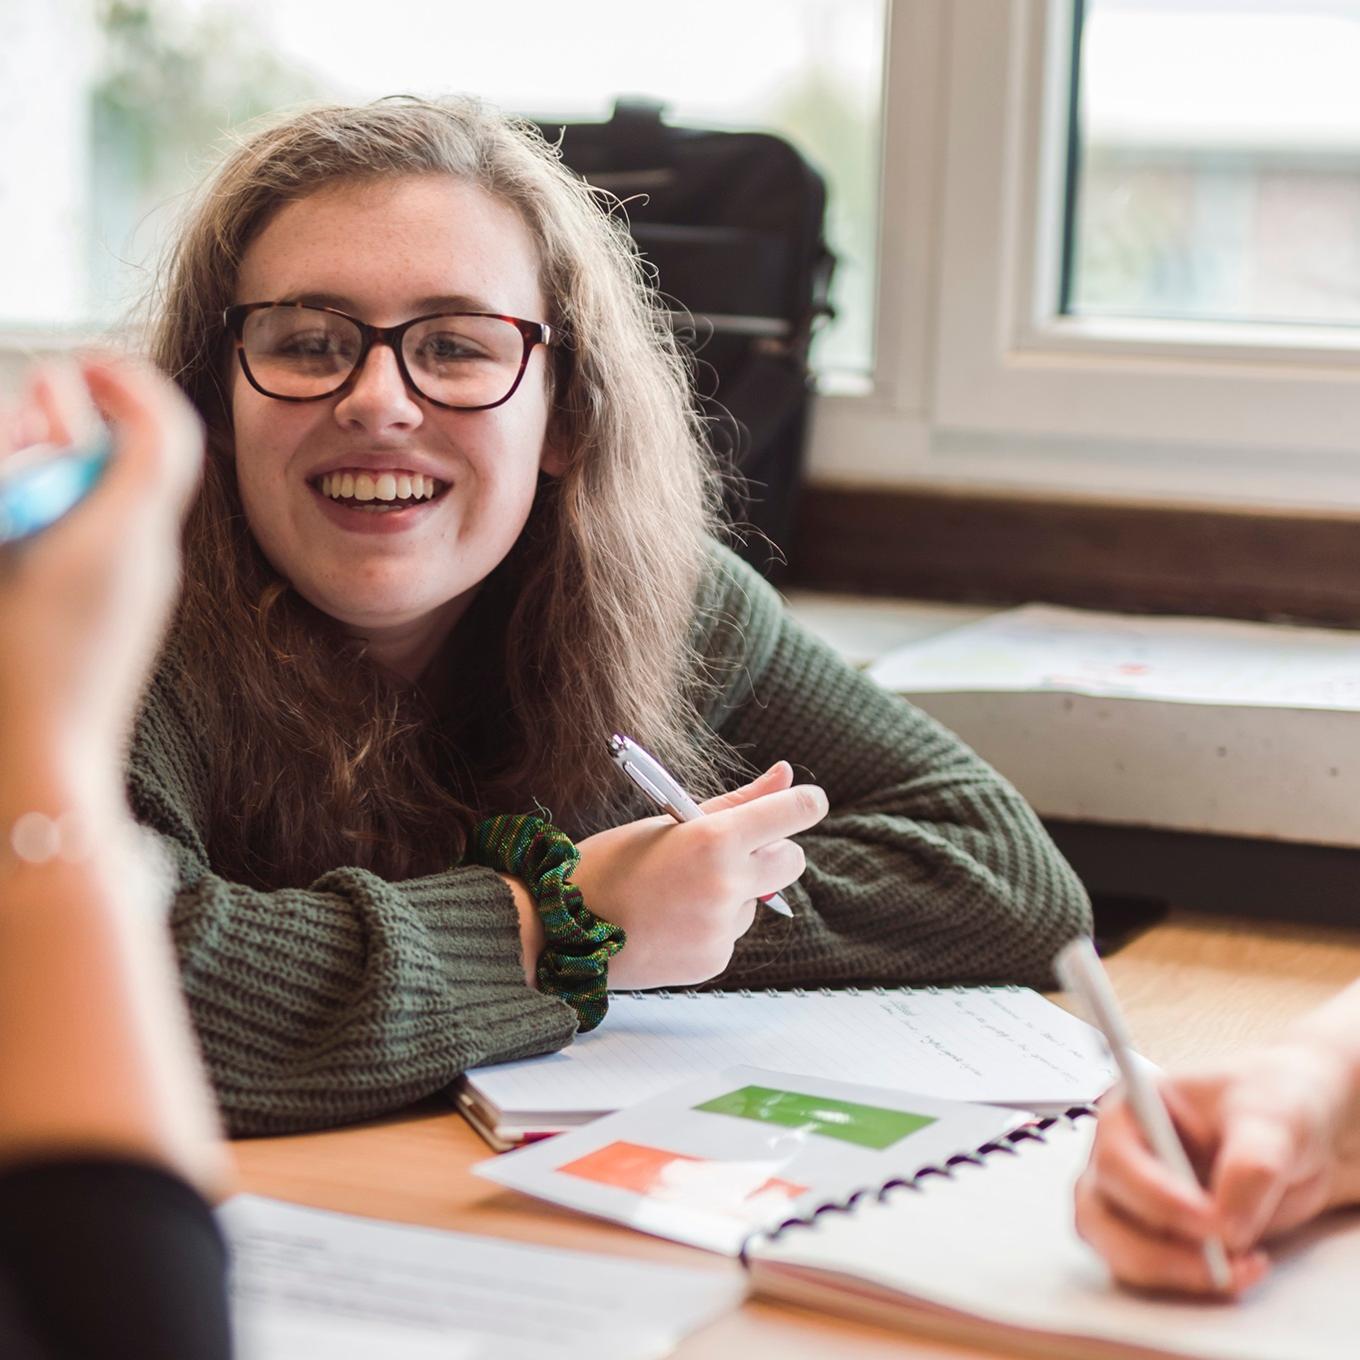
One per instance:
(386, 252)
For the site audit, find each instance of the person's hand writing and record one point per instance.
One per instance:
(686, 892)
(1275, 1136)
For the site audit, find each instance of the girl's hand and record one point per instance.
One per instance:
(686, 891)
(1276, 1137)
(84, 602)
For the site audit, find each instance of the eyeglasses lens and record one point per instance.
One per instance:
(300, 352)
(458, 360)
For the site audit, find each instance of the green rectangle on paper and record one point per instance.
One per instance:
(868, 1125)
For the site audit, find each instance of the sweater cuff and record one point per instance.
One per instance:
(477, 942)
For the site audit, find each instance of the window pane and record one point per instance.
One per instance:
(1217, 161)
(165, 78)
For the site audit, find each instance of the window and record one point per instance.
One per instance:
(1216, 162)
(988, 380)
(119, 105)
(1132, 274)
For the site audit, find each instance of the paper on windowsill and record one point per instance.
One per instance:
(1176, 660)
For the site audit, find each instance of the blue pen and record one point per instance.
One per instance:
(647, 772)
(39, 485)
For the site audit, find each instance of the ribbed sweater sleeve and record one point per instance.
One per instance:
(929, 867)
(349, 998)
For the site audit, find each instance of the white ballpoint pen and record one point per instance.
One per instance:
(1080, 970)
(652, 778)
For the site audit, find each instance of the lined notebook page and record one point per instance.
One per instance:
(997, 1045)
(997, 1241)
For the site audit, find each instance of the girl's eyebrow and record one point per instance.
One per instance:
(336, 300)
(456, 302)
(448, 302)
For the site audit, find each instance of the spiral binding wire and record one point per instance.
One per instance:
(669, 994)
(1006, 1145)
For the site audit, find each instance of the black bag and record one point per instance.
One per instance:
(732, 223)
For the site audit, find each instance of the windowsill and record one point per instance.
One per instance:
(862, 629)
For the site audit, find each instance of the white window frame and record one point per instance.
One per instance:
(978, 384)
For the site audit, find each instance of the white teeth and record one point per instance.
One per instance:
(377, 486)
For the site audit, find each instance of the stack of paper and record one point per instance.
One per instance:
(995, 1045)
(1239, 729)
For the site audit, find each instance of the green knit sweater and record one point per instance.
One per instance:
(357, 996)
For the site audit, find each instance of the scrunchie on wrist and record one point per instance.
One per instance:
(577, 946)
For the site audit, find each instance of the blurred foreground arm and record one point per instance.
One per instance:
(96, 1058)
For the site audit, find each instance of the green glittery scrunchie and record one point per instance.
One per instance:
(574, 963)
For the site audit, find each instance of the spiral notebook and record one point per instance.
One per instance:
(989, 1045)
(984, 1250)
(712, 1160)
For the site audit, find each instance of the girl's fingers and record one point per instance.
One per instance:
(1154, 1202)
(775, 816)
(1192, 1103)
(1139, 1184)
(160, 440)
(60, 400)
(55, 409)
(1251, 1175)
(1148, 1261)
(778, 776)
(22, 424)
(10, 430)
(777, 865)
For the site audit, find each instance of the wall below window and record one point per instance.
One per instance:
(1230, 875)
(963, 546)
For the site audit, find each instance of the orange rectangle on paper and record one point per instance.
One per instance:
(641, 1169)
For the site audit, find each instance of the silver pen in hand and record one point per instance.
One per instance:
(1079, 970)
(652, 778)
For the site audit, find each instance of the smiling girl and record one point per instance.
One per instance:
(458, 527)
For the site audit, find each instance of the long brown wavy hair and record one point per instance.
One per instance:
(321, 759)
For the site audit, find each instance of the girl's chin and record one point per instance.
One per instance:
(394, 615)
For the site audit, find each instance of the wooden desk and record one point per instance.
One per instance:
(1194, 987)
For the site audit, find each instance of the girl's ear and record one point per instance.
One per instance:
(553, 461)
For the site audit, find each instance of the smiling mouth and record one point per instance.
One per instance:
(379, 492)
